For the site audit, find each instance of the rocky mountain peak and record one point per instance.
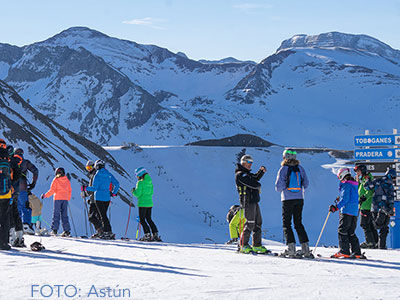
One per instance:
(358, 42)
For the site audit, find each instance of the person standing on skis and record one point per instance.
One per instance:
(365, 203)
(144, 193)
(24, 188)
(291, 182)
(347, 203)
(248, 187)
(102, 195)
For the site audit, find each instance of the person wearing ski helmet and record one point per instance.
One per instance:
(347, 203)
(101, 184)
(249, 187)
(291, 181)
(94, 213)
(144, 193)
(365, 202)
(24, 188)
(382, 204)
(5, 195)
(61, 189)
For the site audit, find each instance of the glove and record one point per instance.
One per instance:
(362, 199)
(83, 188)
(333, 208)
(31, 186)
(133, 189)
(113, 195)
(42, 196)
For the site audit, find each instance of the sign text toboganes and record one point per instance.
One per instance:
(376, 140)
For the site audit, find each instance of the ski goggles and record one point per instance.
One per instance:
(89, 168)
(249, 161)
(291, 152)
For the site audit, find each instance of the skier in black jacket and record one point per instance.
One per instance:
(248, 187)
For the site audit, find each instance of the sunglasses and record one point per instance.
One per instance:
(249, 161)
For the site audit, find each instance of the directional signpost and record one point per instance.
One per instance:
(378, 153)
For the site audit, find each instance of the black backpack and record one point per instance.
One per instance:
(232, 212)
(5, 176)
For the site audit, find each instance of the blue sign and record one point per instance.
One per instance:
(376, 140)
(367, 154)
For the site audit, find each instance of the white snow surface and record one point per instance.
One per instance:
(190, 271)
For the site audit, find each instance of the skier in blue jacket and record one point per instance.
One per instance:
(347, 203)
(104, 186)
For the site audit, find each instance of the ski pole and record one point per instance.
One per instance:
(72, 219)
(127, 224)
(138, 227)
(323, 227)
(85, 214)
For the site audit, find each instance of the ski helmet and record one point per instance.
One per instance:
(391, 173)
(361, 168)
(139, 172)
(99, 164)
(59, 171)
(3, 144)
(289, 154)
(246, 158)
(10, 150)
(343, 172)
(90, 165)
(19, 151)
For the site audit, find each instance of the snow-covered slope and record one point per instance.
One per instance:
(113, 90)
(133, 270)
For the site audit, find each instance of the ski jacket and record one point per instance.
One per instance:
(247, 185)
(281, 183)
(101, 185)
(348, 201)
(60, 188)
(362, 191)
(35, 204)
(144, 192)
(26, 166)
(383, 193)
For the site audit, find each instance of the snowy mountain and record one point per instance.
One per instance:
(226, 60)
(111, 90)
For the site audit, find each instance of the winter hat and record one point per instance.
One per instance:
(140, 171)
(342, 173)
(361, 168)
(246, 158)
(289, 154)
(18, 151)
(59, 171)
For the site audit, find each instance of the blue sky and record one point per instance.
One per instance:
(202, 29)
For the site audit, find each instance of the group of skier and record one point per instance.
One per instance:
(20, 209)
(372, 198)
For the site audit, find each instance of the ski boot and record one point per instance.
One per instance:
(53, 232)
(290, 252)
(19, 240)
(66, 233)
(305, 251)
(13, 236)
(107, 235)
(156, 237)
(358, 256)
(43, 232)
(28, 229)
(232, 241)
(146, 238)
(5, 246)
(261, 250)
(366, 245)
(96, 235)
(246, 249)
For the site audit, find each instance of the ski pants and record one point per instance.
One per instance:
(15, 218)
(252, 213)
(60, 211)
(4, 221)
(146, 221)
(381, 223)
(236, 225)
(95, 217)
(23, 207)
(347, 235)
(293, 208)
(367, 224)
(103, 208)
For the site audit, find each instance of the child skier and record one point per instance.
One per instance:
(291, 181)
(348, 205)
(236, 220)
(382, 204)
(144, 193)
(365, 202)
(61, 189)
(36, 205)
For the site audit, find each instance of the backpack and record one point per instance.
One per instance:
(5, 177)
(293, 179)
(232, 212)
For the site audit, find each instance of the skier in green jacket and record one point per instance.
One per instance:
(144, 192)
(365, 202)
